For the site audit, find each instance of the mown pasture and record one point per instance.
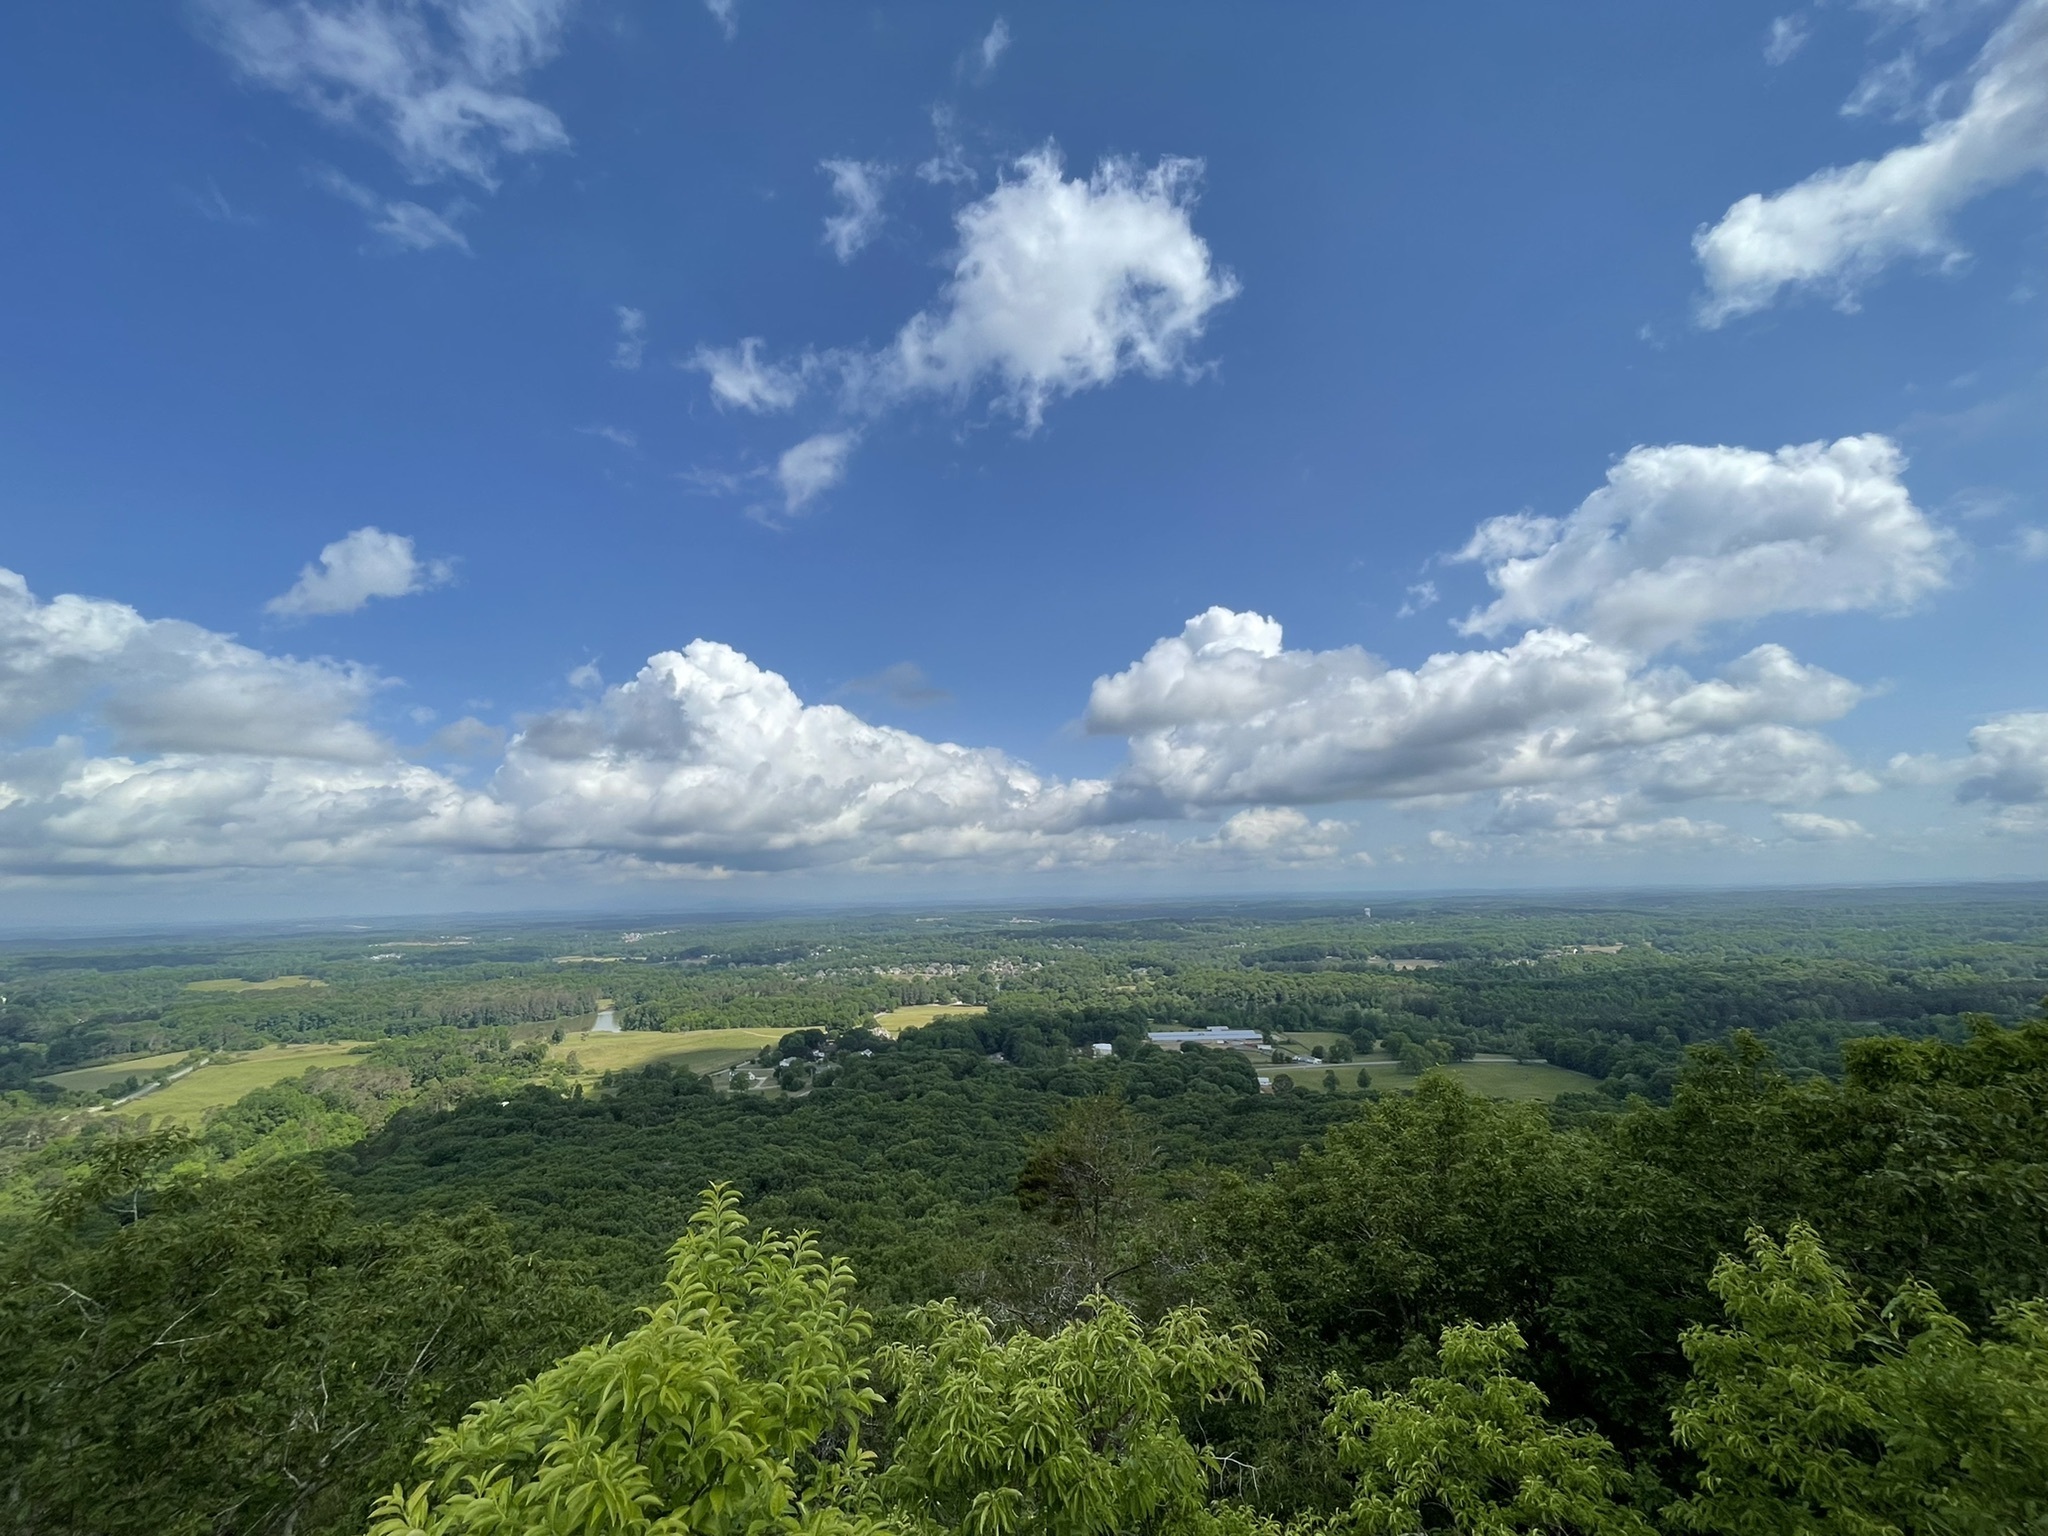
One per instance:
(700, 1050)
(896, 1020)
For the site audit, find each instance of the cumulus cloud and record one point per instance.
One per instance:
(1278, 834)
(813, 467)
(631, 346)
(705, 757)
(743, 379)
(1061, 285)
(1682, 538)
(166, 686)
(436, 81)
(1058, 285)
(1223, 713)
(225, 758)
(857, 184)
(1839, 228)
(355, 568)
(2008, 762)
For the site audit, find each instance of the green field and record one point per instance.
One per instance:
(222, 1082)
(93, 1079)
(1487, 1079)
(896, 1020)
(236, 984)
(701, 1050)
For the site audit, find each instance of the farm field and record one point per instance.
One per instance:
(701, 1050)
(222, 1082)
(236, 984)
(900, 1019)
(93, 1079)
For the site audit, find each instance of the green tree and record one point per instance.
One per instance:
(1073, 1435)
(1811, 1414)
(735, 1409)
(192, 1354)
(1468, 1449)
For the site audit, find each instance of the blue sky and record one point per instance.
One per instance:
(1099, 449)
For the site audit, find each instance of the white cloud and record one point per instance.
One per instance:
(631, 346)
(1682, 538)
(707, 758)
(405, 226)
(813, 467)
(225, 758)
(166, 686)
(1057, 286)
(1811, 826)
(1890, 90)
(742, 379)
(948, 165)
(1279, 834)
(2008, 762)
(355, 568)
(1839, 228)
(994, 46)
(1420, 596)
(1062, 285)
(726, 14)
(2033, 544)
(858, 186)
(468, 737)
(1787, 35)
(415, 227)
(623, 437)
(435, 80)
(1222, 713)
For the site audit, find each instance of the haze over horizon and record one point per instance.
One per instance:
(484, 455)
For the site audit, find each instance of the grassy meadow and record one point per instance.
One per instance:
(236, 984)
(222, 1082)
(701, 1050)
(896, 1020)
(105, 1075)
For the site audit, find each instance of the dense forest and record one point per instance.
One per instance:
(1778, 1266)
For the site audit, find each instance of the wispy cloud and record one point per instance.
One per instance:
(403, 225)
(1835, 231)
(726, 14)
(436, 81)
(813, 467)
(631, 346)
(857, 184)
(993, 47)
(211, 203)
(1787, 35)
(622, 436)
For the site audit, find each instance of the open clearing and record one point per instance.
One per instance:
(896, 1020)
(1487, 1079)
(236, 984)
(701, 1050)
(93, 1079)
(223, 1082)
